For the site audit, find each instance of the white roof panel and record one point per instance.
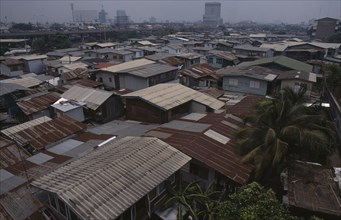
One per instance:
(194, 116)
(128, 65)
(40, 158)
(216, 136)
(65, 146)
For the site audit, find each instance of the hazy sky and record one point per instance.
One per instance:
(288, 11)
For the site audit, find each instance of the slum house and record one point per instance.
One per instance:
(251, 51)
(202, 50)
(111, 54)
(72, 66)
(209, 138)
(9, 93)
(52, 67)
(219, 59)
(190, 45)
(311, 189)
(11, 67)
(143, 43)
(92, 62)
(124, 179)
(166, 101)
(166, 58)
(43, 132)
(79, 73)
(251, 80)
(98, 105)
(151, 50)
(189, 59)
(33, 63)
(224, 46)
(37, 105)
(200, 76)
(279, 63)
(137, 74)
(137, 53)
(172, 48)
(297, 79)
(313, 50)
(18, 200)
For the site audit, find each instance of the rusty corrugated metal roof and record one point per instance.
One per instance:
(113, 177)
(210, 150)
(38, 103)
(41, 135)
(200, 70)
(10, 153)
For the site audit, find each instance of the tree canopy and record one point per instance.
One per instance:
(284, 128)
(48, 43)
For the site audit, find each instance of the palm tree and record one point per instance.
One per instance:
(283, 127)
(201, 203)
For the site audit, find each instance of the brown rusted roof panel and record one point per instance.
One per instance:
(37, 104)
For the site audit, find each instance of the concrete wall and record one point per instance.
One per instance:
(77, 113)
(132, 82)
(243, 85)
(197, 107)
(34, 66)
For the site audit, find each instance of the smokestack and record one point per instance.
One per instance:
(73, 17)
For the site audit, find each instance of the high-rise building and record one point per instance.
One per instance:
(212, 14)
(121, 18)
(326, 27)
(102, 16)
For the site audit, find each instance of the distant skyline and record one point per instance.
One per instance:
(269, 11)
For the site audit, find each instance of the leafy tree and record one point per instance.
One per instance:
(201, 203)
(283, 128)
(253, 202)
(22, 27)
(333, 76)
(48, 43)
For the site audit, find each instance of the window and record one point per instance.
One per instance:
(199, 171)
(233, 82)
(100, 79)
(210, 60)
(52, 201)
(254, 84)
(110, 80)
(73, 216)
(219, 61)
(62, 208)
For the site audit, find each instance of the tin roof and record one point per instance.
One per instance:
(120, 172)
(173, 61)
(256, 72)
(200, 70)
(297, 75)
(76, 73)
(15, 129)
(128, 65)
(223, 54)
(312, 187)
(169, 95)
(6, 88)
(27, 82)
(92, 98)
(149, 70)
(210, 140)
(245, 106)
(10, 153)
(282, 61)
(251, 48)
(43, 134)
(36, 104)
(12, 62)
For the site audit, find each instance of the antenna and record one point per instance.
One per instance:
(73, 16)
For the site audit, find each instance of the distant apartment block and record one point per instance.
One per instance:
(121, 17)
(102, 16)
(326, 27)
(212, 14)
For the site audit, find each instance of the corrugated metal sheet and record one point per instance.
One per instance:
(10, 153)
(200, 70)
(36, 104)
(210, 150)
(150, 70)
(26, 82)
(114, 177)
(20, 204)
(93, 98)
(15, 129)
(43, 134)
(77, 73)
(256, 72)
(170, 95)
(128, 65)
